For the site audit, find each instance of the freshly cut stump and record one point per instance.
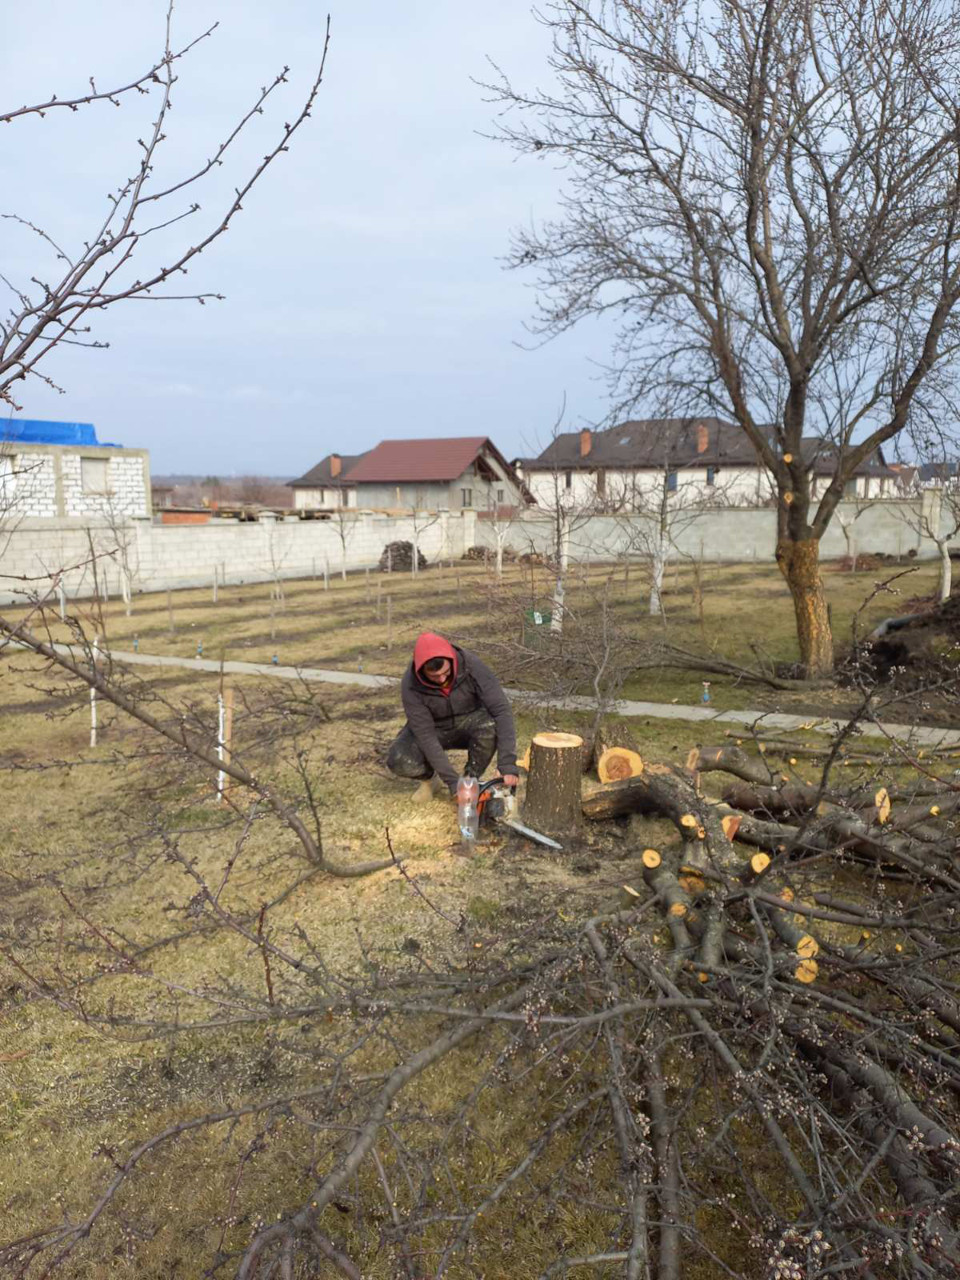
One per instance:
(617, 763)
(552, 803)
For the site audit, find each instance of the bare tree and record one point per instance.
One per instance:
(422, 519)
(847, 517)
(767, 195)
(500, 520)
(656, 508)
(937, 518)
(116, 262)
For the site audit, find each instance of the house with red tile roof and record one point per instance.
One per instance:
(461, 473)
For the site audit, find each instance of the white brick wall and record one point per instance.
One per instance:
(46, 482)
(126, 493)
(155, 556)
(32, 485)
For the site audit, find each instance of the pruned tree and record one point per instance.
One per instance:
(847, 517)
(937, 518)
(421, 519)
(500, 521)
(117, 262)
(766, 197)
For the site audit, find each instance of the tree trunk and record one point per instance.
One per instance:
(656, 585)
(552, 803)
(799, 563)
(946, 572)
(499, 558)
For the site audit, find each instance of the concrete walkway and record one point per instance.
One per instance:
(762, 721)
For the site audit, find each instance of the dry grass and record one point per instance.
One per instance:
(742, 606)
(90, 822)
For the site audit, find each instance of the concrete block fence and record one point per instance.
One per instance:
(35, 552)
(82, 553)
(726, 534)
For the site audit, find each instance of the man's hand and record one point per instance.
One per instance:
(511, 779)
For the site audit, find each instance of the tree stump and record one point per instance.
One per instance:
(552, 803)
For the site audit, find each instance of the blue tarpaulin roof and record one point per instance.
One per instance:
(37, 431)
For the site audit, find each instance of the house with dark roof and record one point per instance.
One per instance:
(324, 486)
(465, 473)
(939, 475)
(707, 459)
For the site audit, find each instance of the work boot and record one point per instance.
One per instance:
(427, 789)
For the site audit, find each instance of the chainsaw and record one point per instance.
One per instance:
(497, 803)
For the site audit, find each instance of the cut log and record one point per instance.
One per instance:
(609, 733)
(731, 824)
(552, 803)
(711, 941)
(651, 859)
(617, 763)
(729, 759)
(756, 866)
(788, 799)
(630, 899)
(691, 881)
(668, 792)
(804, 944)
(668, 889)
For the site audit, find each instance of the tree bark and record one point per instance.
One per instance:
(799, 562)
(659, 564)
(946, 573)
(552, 802)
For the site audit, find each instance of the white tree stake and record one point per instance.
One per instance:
(221, 776)
(93, 695)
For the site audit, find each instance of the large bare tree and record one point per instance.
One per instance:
(764, 196)
(124, 256)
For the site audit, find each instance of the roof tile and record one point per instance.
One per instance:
(416, 460)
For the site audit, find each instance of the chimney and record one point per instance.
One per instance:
(703, 438)
(335, 464)
(586, 442)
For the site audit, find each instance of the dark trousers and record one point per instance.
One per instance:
(475, 732)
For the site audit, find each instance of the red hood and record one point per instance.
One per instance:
(429, 646)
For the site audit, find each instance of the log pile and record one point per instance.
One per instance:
(398, 556)
(854, 999)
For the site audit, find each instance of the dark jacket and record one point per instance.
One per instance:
(430, 707)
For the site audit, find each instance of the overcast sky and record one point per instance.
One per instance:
(365, 296)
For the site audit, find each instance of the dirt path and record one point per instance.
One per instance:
(763, 720)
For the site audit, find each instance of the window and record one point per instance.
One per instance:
(671, 482)
(711, 475)
(466, 497)
(850, 488)
(93, 475)
(568, 479)
(500, 495)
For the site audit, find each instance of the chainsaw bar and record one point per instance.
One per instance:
(530, 834)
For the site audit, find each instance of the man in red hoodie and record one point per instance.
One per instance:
(451, 700)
